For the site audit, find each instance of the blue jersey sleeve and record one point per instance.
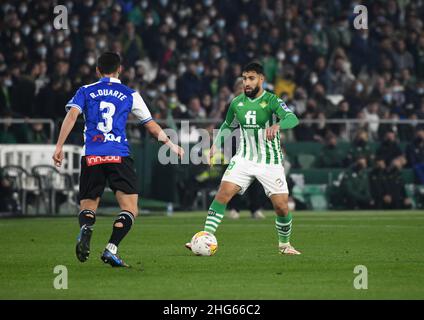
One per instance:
(77, 101)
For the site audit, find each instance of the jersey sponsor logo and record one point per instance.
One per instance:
(111, 137)
(106, 137)
(96, 160)
(250, 117)
(99, 138)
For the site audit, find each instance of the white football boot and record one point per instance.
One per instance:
(234, 214)
(258, 215)
(287, 248)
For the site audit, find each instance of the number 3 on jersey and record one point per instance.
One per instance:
(107, 125)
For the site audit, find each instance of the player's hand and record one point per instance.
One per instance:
(178, 151)
(212, 152)
(58, 156)
(272, 131)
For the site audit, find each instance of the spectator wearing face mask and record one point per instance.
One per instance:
(356, 95)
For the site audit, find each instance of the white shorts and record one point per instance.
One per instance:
(242, 172)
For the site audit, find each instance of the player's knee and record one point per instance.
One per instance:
(281, 209)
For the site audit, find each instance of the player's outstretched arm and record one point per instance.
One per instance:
(156, 131)
(288, 119)
(67, 125)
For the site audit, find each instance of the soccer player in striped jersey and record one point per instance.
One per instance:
(260, 116)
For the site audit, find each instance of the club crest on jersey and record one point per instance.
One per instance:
(106, 137)
(263, 104)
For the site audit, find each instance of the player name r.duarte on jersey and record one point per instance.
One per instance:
(105, 105)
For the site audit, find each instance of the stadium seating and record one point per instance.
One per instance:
(26, 186)
(40, 182)
(55, 186)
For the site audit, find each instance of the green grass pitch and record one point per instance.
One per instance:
(246, 266)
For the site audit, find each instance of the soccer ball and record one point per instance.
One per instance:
(204, 244)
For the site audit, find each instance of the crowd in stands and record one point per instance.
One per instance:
(184, 57)
(373, 179)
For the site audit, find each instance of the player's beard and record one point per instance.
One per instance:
(252, 93)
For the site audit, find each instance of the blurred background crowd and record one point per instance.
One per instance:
(185, 58)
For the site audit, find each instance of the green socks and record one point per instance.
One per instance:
(284, 227)
(215, 215)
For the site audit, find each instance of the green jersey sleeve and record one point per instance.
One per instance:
(288, 119)
(230, 118)
(228, 126)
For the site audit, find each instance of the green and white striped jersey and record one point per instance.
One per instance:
(254, 116)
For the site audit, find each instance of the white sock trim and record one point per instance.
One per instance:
(112, 248)
(130, 215)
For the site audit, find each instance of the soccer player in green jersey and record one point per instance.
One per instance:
(260, 116)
